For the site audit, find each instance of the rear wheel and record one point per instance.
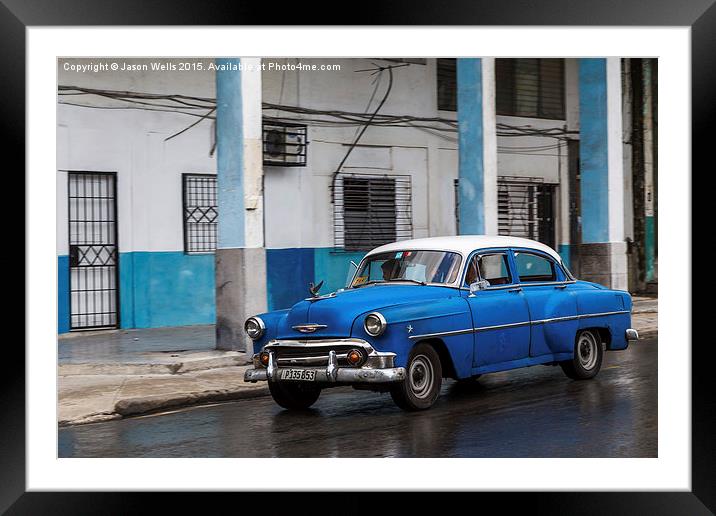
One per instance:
(421, 387)
(588, 355)
(294, 396)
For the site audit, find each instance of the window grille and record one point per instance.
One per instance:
(371, 210)
(93, 252)
(447, 84)
(530, 87)
(200, 213)
(284, 144)
(525, 208)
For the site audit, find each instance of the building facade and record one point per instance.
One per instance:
(195, 191)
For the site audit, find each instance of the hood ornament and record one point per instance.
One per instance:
(313, 289)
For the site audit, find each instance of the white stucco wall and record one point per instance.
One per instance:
(298, 212)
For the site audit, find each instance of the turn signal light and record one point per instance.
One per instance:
(354, 357)
(264, 358)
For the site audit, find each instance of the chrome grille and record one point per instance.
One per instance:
(314, 353)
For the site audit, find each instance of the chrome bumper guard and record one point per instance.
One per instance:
(632, 334)
(378, 367)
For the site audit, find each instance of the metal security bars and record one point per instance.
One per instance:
(525, 208)
(284, 144)
(94, 293)
(530, 87)
(200, 213)
(371, 210)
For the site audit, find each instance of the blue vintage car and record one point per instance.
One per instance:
(421, 310)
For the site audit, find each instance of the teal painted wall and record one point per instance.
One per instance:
(63, 294)
(564, 251)
(331, 266)
(166, 289)
(159, 289)
(289, 271)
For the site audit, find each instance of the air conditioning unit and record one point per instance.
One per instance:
(285, 144)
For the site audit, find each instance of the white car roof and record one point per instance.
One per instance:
(465, 244)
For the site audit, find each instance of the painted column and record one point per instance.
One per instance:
(477, 140)
(603, 249)
(240, 255)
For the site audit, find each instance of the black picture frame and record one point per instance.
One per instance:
(17, 15)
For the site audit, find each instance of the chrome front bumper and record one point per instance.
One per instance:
(632, 334)
(378, 368)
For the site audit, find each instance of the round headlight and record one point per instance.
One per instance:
(254, 327)
(374, 324)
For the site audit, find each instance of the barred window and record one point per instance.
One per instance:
(447, 84)
(371, 210)
(530, 87)
(526, 209)
(200, 213)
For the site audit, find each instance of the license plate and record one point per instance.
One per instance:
(305, 375)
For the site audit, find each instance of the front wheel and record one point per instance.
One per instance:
(588, 354)
(421, 387)
(294, 396)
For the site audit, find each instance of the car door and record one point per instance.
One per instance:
(499, 312)
(552, 304)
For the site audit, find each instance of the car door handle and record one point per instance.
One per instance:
(518, 289)
(560, 286)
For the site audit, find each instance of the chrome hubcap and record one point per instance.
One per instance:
(421, 376)
(587, 350)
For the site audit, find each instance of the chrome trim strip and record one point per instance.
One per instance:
(523, 285)
(441, 334)
(316, 342)
(308, 327)
(499, 326)
(514, 325)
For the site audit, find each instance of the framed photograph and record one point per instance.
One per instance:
(426, 255)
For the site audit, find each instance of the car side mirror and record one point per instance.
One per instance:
(478, 285)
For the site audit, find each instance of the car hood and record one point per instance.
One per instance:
(338, 311)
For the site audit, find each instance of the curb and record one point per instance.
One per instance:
(146, 405)
(150, 368)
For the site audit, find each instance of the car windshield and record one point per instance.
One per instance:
(413, 266)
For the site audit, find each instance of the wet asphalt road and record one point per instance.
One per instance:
(531, 412)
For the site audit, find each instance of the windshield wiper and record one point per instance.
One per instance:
(371, 282)
(411, 280)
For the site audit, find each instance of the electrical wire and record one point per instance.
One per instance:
(367, 124)
(187, 105)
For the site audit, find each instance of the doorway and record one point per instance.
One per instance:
(94, 281)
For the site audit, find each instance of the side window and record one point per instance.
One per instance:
(533, 267)
(490, 267)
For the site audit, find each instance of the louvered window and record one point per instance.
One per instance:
(447, 84)
(530, 88)
(371, 210)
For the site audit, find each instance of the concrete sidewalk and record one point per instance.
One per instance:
(112, 374)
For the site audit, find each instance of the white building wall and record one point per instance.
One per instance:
(131, 143)
(298, 211)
